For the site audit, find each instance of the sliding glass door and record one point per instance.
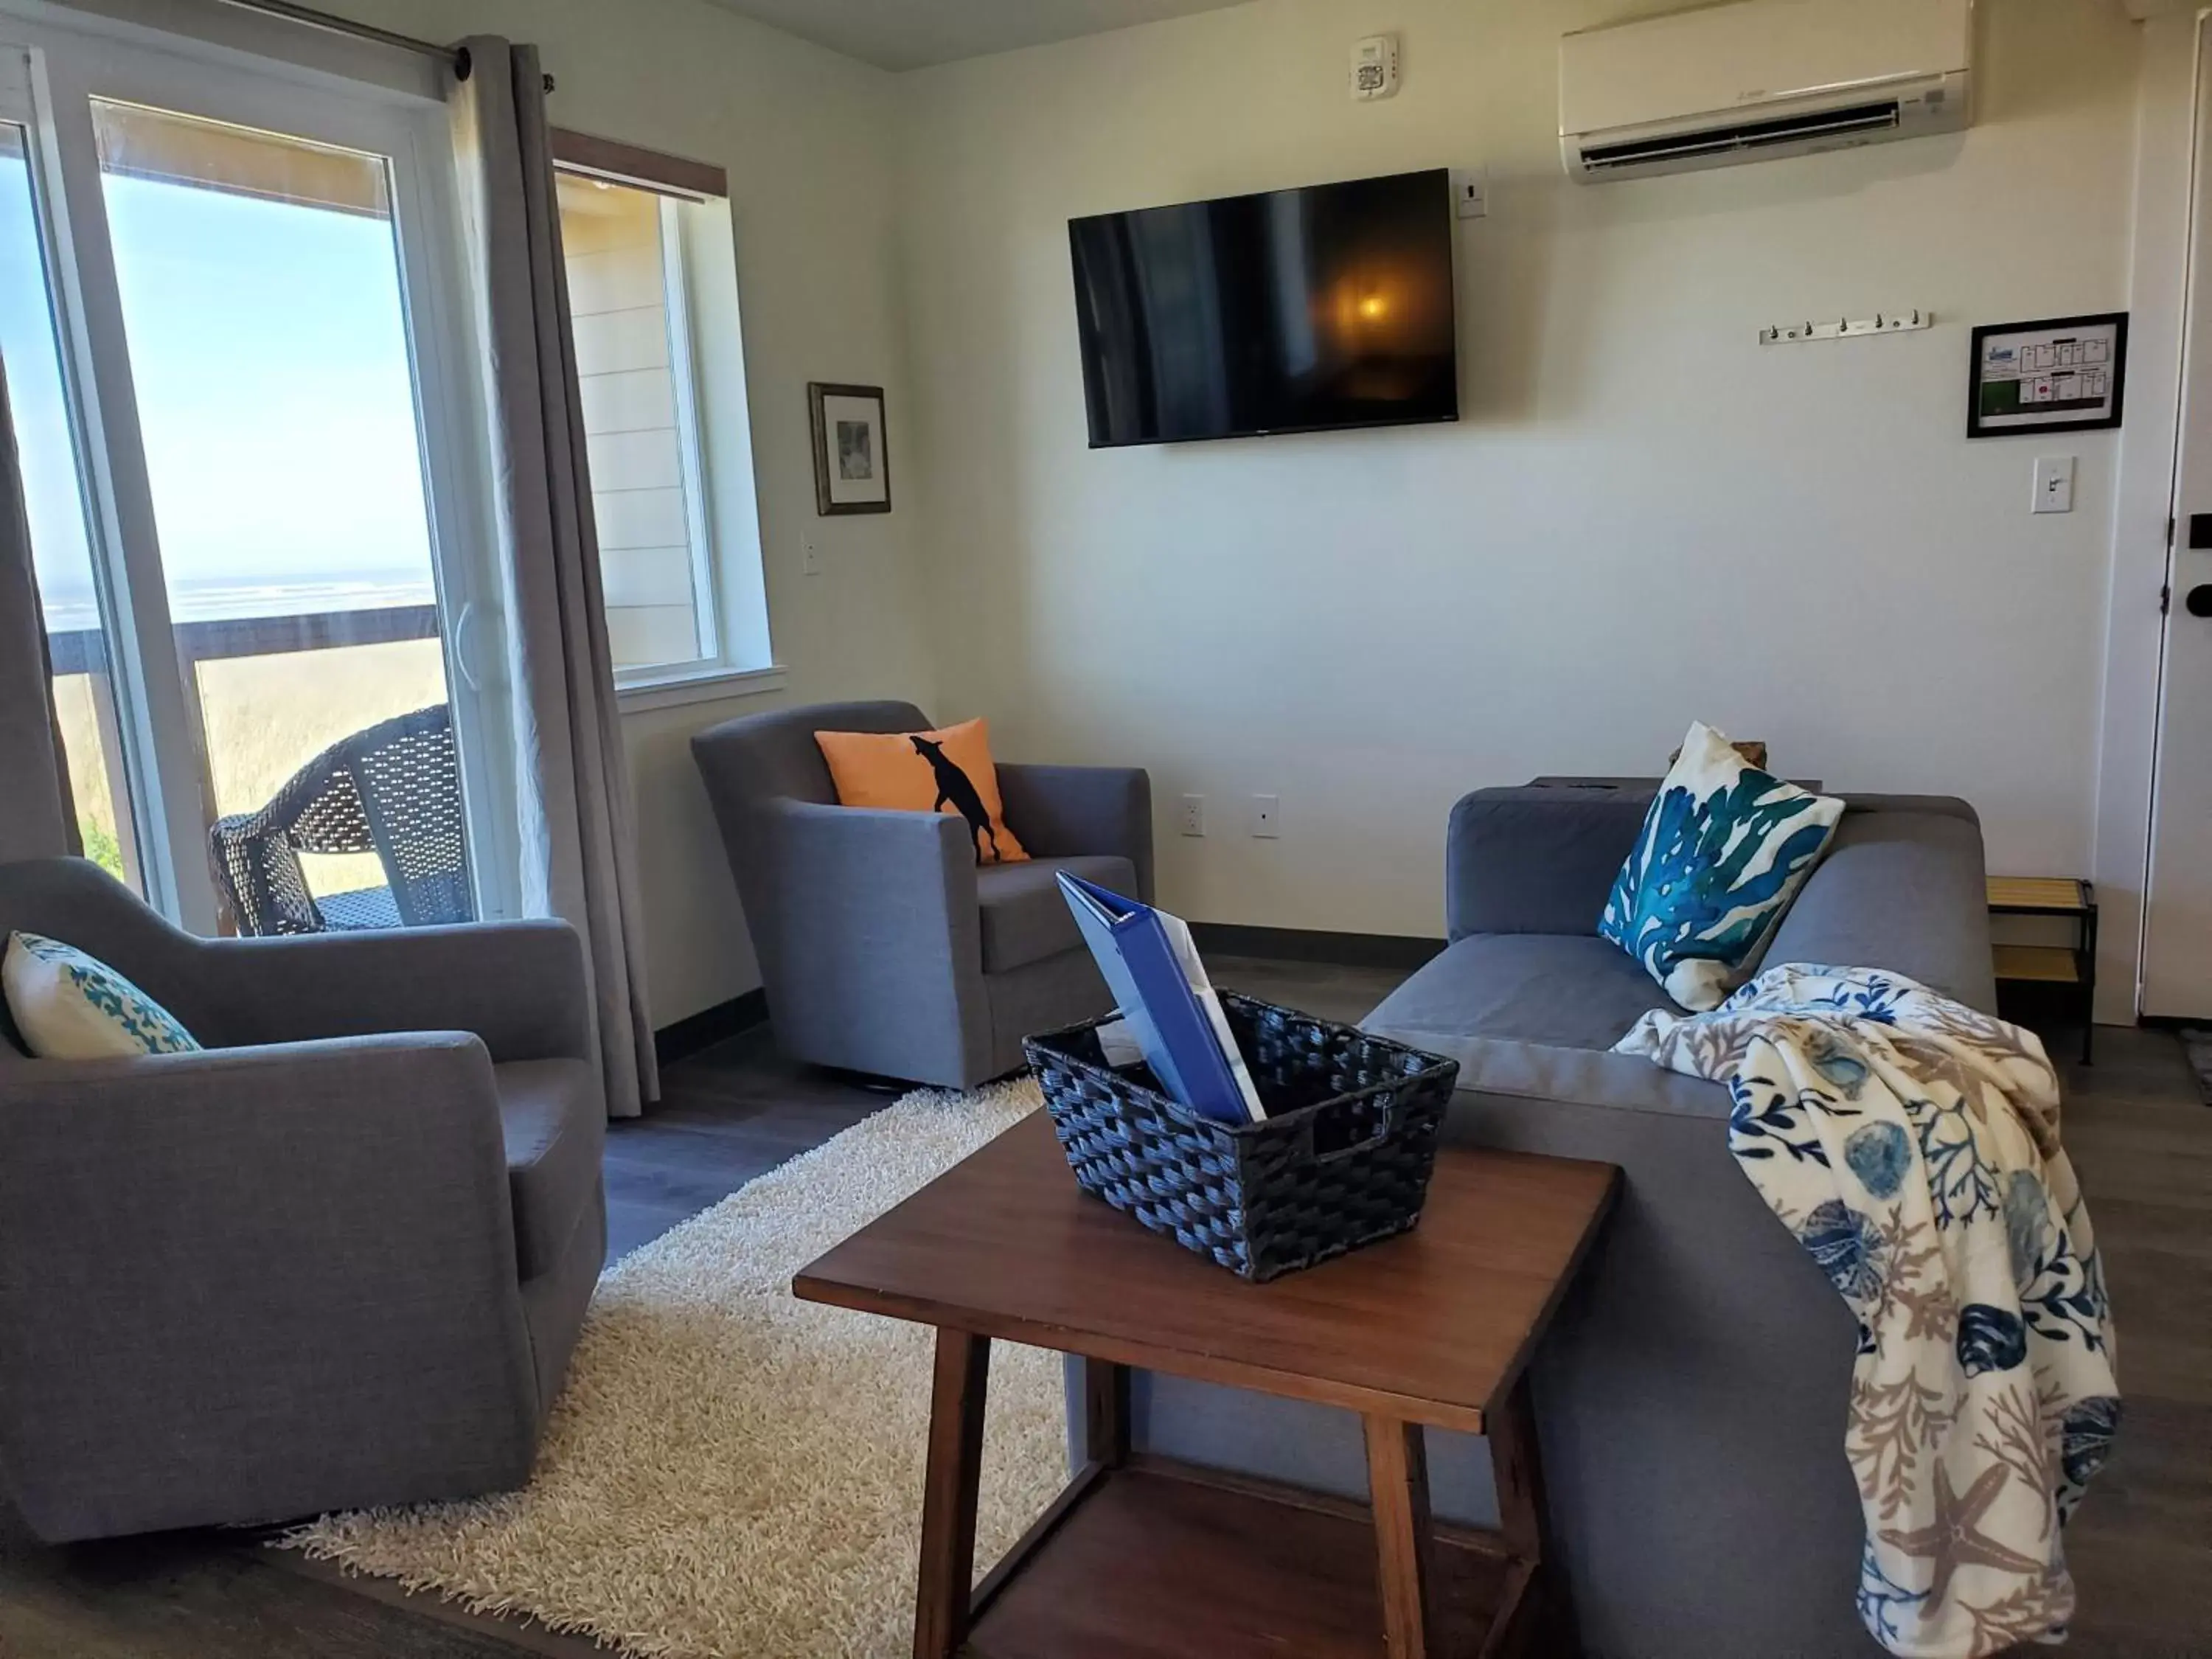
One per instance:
(247, 286)
(62, 541)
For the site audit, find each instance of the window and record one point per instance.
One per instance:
(653, 296)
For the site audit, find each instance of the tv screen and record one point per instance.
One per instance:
(1294, 311)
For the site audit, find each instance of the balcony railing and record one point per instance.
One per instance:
(83, 651)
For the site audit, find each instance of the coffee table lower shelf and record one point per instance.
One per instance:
(1158, 1559)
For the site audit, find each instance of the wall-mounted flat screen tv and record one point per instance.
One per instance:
(1294, 311)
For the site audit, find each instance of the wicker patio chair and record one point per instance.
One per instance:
(393, 790)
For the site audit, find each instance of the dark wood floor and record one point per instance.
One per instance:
(741, 1109)
(2142, 1547)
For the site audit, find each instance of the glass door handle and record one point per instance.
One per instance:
(2199, 601)
(465, 646)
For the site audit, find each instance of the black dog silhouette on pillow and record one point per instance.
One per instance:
(955, 785)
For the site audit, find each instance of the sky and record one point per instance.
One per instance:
(269, 357)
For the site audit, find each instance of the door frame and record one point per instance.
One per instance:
(2173, 83)
(70, 64)
(142, 705)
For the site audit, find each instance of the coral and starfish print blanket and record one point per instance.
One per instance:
(1912, 1145)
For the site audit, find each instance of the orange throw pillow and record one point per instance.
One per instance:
(947, 771)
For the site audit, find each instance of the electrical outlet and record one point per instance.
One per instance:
(1193, 815)
(813, 563)
(1266, 815)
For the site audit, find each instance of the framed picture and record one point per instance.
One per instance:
(852, 464)
(2065, 374)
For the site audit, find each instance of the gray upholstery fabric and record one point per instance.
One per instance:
(1690, 1395)
(765, 755)
(555, 1302)
(1543, 1071)
(1060, 811)
(555, 1128)
(873, 950)
(1541, 858)
(1024, 918)
(1579, 991)
(518, 985)
(878, 947)
(1536, 861)
(1942, 806)
(1691, 1400)
(310, 1246)
(1889, 895)
(1041, 997)
(572, 782)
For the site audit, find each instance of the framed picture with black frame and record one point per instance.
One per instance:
(852, 459)
(2062, 374)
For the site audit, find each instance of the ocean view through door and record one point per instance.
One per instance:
(265, 350)
(262, 303)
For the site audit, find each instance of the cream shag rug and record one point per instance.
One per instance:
(731, 1474)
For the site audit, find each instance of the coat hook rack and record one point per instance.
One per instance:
(1846, 328)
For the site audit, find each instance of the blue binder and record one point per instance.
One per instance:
(1164, 1013)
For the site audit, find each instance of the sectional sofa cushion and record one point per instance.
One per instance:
(1567, 991)
(1025, 920)
(1888, 895)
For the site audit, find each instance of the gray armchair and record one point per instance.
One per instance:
(337, 1260)
(882, 947)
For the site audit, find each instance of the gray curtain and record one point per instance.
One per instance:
(579, 849)
(36, 819)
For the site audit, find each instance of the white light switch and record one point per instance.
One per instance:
(2054, 484)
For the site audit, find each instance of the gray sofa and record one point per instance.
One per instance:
(884, 948)
(1691, 1397)
(338, 1259)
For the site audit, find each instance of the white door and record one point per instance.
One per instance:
(233, 320)
(2177, 963)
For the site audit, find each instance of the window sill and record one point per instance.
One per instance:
(714, 686)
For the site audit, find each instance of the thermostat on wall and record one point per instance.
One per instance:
(1375, 67)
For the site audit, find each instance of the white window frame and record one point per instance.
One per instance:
(682, 376)
(715, 673)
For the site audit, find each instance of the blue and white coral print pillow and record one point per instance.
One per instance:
(70, 1006)
(1724, 849)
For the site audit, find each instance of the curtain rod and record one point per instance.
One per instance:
(457, 57)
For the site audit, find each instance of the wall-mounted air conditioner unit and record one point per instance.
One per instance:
(1758, 80)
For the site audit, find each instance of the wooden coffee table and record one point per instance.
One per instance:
(1143, 1556)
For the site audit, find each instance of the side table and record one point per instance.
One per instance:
(1144, 1554)
(2066, 973)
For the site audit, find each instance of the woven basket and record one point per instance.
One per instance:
(1341, 1160)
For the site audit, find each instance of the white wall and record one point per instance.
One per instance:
(1643, 517)
(806, 136)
